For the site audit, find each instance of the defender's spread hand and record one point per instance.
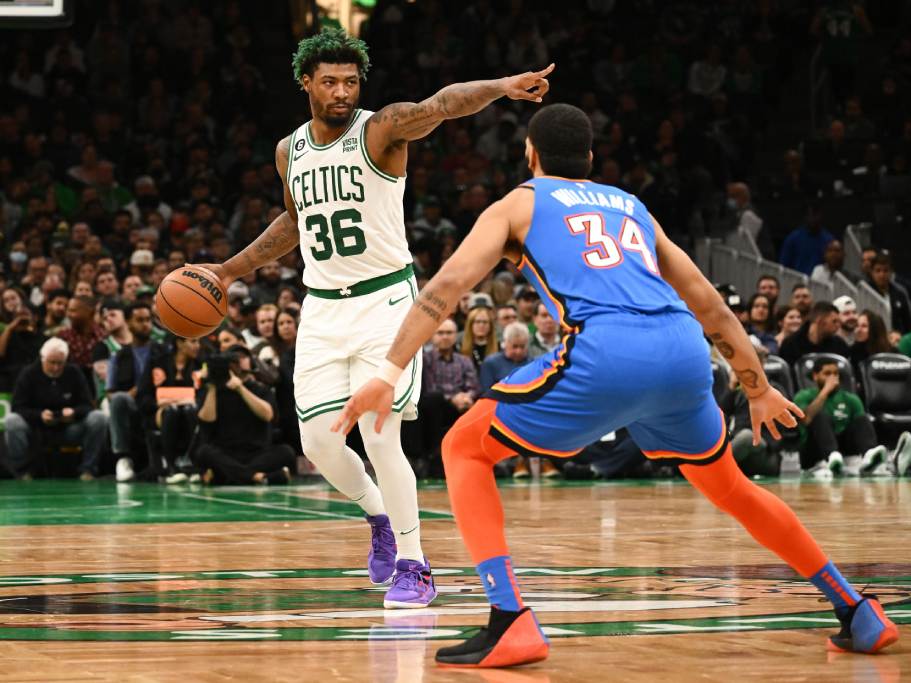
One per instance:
(375, 396)
(769, 408)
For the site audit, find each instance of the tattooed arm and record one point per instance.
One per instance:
(478, 254)
(719, 323)
(391, 128)
(280, 237)
(481, 251)
(767, 405)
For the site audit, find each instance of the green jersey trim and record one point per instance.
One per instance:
(290, 156)
(320, 148)
(373, 166)
(363, 287)
(320, 408)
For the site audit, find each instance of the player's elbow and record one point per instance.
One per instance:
(714, 315)
(452, 280)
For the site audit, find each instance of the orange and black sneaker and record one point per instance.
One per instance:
(864, 628)
(509, 639)
(521, 471)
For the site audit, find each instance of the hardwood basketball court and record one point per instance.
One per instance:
(636, 581)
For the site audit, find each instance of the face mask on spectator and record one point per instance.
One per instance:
(18, 257)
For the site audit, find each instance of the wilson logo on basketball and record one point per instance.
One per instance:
(204, 282)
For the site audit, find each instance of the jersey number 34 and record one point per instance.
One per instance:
(607, 253)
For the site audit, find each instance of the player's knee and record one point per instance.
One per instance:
(461, 442)
(389, 437)
(318, 442)
(446, 448)
(720, 481)
(379, 444)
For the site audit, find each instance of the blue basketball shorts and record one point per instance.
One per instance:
(650, 374)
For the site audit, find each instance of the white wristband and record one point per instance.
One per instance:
(389, 372)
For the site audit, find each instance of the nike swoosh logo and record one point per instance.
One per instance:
(301, 154)
(402, 533)
(393, 302)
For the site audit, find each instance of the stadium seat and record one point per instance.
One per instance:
(778, 372)
(803, 371)
(886, 379)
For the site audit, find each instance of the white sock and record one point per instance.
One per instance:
(341, 466)
(370, 499)
(396, 481)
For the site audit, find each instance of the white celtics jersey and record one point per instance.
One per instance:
(349, 212)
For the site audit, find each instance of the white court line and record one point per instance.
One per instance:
(55, 496)
(167, 535)
(259, 489)
(268, 506)
(295, 494)
(57, 512)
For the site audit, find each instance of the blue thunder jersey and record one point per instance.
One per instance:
(590, 250)
(632, 354)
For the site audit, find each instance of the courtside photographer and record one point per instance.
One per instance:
(236, 414)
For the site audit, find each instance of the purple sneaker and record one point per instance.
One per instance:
(412, 587)
(381, 560)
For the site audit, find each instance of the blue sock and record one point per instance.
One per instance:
(836, 588)
(500, 583)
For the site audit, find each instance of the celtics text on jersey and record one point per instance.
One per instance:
(349, 212)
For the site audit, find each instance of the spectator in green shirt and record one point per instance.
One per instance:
(904, 345)
(835, 421)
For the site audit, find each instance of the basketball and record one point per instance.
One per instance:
(191, 301)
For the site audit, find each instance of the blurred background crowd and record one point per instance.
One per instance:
(143, 137)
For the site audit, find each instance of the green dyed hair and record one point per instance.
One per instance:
(332, 46)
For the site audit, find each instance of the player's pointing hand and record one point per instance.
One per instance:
(532, 85)
(375, 396)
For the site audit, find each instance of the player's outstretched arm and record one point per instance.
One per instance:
(280, 237)
(478, 254)
(767, 405)
(399, 123)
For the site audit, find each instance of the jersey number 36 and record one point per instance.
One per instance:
(347, 238)
(607, 253)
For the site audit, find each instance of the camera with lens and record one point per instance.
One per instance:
(219, 366)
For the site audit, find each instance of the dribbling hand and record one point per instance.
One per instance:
(375, 396)
(217, 269)
(532, 85)
(770, 408)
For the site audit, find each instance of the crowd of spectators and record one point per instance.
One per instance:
(829, 344)
(143, 138)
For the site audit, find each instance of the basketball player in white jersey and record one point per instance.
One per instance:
(344, 176)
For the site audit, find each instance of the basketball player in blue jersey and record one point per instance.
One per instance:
(633, 308)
